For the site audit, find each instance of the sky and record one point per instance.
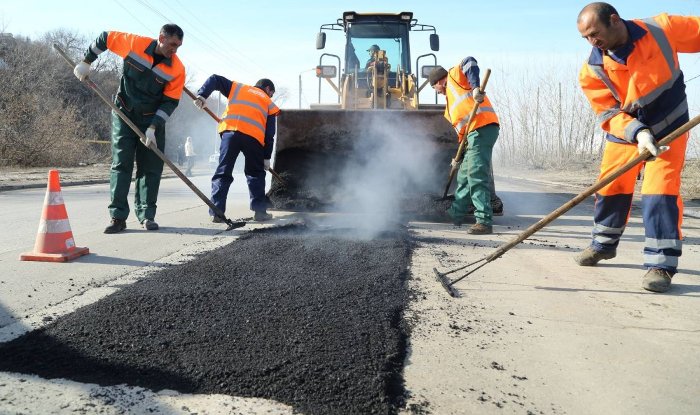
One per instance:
(245, 41)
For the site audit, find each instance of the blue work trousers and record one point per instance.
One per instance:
(232, 144)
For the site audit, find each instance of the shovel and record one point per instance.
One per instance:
(460, 149)
(218, 120)
(219, 213)
(449, 285)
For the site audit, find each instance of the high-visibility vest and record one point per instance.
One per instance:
(143, 83)
(460, 105)
(648, 91)
(247, 111)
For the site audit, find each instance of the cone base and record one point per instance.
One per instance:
(64, 257)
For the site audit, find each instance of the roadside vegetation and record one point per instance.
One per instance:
(47, 118)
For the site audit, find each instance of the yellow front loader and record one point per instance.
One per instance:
(377, 135)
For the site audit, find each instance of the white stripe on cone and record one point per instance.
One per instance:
(54, 226)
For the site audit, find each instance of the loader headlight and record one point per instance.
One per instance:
(326, 71)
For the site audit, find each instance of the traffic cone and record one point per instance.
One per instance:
(54, 241)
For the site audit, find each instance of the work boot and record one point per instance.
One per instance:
(590, 257)
(262, 216)
(657, 280)
(217, 219)
(480, 229)
(497, 206)
(115, 225)
(149, 225)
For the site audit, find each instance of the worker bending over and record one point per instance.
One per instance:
(248, 126)
(635, 85)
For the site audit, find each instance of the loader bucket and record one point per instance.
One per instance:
(329, 158)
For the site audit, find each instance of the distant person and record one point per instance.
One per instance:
(149, 91)
(247, 126)
(636, 88)
(189, 155)
(461, 87)
(181, 154)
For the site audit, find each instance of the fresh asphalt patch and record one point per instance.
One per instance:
(310, 318)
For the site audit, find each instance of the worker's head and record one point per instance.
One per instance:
(601, 25)
(373, 49)
(188, 140)
(169, 39)
(267, 86)
(438, 79)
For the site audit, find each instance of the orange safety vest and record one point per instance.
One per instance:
(460, 105)
(170, 73)
(247, 111)
(648, 91)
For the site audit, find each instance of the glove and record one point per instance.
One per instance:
(81, 71)
(646, 141)
(151, 137)
(454, 163)
(267, 164)
(478, 95)
(200, 102)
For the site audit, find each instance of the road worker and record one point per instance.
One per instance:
(461, 87)
(149, 91)
(247, 126)
(633, 81)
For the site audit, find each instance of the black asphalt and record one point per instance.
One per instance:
(308, 318)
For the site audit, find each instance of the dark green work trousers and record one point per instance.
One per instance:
(127, 147)
(475, 177)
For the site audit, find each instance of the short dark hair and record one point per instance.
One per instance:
(171, 29)
(602, 11)
(264, 82)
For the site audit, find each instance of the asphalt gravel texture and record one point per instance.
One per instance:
(311, 318)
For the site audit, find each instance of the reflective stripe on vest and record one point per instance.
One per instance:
(461, 104)
(247, 111)
(633, 106)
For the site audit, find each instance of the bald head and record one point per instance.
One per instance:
(598, 10)
(601, 26)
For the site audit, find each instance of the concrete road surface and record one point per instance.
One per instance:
(532, 333)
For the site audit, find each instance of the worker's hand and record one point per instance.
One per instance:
(454, 163)
(267, 164)
(81, 70)
(478, 95)
(646, 141)
(200, 102)
(151, 137)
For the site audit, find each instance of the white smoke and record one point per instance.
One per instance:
(391, 161)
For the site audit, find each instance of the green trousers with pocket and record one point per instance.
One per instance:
(474, 177)
(127, 148)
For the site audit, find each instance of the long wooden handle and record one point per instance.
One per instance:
(592, 189)
(460, 149)
(142, 136)
(206, 109)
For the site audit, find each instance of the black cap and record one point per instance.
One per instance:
(263, 83)
(373, 48)
(436, 74)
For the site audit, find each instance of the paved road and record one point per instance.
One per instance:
(532, 332)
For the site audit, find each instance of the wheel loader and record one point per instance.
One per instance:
(377, 146)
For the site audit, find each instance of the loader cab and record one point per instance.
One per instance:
(390, 33)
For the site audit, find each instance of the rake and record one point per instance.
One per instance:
(449, 284)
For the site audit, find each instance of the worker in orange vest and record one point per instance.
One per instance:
(149, 91)
(461, 87)
(635, 85)
(247, 126)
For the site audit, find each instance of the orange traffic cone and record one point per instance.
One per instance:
(54, 241)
